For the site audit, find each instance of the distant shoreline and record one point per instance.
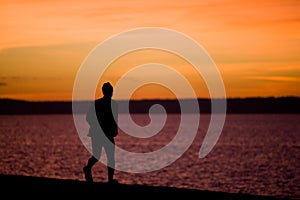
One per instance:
(234, 105)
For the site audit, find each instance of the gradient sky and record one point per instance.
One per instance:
(255, 44)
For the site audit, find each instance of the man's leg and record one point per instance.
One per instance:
(110, 153)
(111, 172)
(88, 169)
(96, 148)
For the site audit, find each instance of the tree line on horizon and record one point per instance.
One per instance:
(234, 105)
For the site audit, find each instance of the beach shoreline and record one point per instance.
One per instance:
(35, 187)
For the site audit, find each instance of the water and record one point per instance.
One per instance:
(255, 154)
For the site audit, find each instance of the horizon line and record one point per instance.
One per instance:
(159, 99)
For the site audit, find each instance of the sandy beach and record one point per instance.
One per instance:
(14, 186)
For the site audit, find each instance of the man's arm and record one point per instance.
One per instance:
(91, 115)
(115, 111)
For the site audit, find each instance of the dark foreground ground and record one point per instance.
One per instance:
(26, 187)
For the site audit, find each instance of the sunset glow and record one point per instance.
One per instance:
(254, 44)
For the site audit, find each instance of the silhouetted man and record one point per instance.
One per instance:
(102, 118)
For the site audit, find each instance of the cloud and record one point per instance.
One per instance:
(274, 78)
(3, 84)
(27, 78)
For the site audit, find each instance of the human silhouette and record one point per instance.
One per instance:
(103, 120)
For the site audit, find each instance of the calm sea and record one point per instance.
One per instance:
(255, 154)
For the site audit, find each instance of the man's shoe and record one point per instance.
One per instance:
(113, 182)
(87, 174)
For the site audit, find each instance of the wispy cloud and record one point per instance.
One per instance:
(2, 84)
(275, 78)
(27, 78)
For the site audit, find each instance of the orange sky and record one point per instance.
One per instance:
(255, 44)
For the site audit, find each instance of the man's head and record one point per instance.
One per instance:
(107, 89)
